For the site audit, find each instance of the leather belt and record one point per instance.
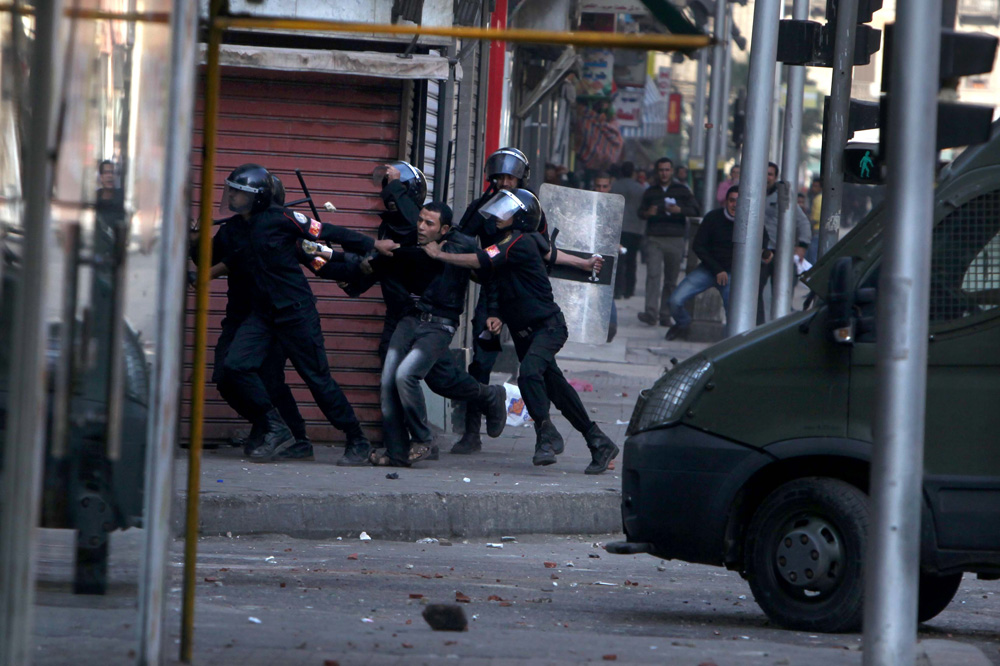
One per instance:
(432, 319)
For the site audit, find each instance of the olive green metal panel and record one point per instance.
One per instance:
(777, 382)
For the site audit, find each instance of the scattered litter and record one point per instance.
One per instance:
(210, 579)
(493, 597)
(494, 545)
(508, 539)
(593, 556)
(352, 556)
(550, 565)
(340, 538)
(462, 598)
(218, 480)
(368, 620)
(444, 542)
(416, 596)
(573, 584)
(364, 536)
(743, 596)
(392, 476)
(517, 413)
(407, 645)
(475, 617)
(610, 657)
(607, 584)
(254, 620)
(620, 422)
(229, 535)
(569, 564)
(409, 566)
(445, 617)
(582, 386)
(269, 558)
(661, 567)
(467, 480)
(427, 540)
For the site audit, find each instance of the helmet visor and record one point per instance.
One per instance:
(502, 207)
(380, 175)
(504, 162)
(237, 199)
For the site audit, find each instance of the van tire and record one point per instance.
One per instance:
(811, 520)
(936, 592)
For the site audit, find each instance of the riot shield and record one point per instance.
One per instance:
(588, 223)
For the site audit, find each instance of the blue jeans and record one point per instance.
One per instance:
(699, 280)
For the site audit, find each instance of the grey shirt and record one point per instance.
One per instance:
(803, 230)
(632, 190)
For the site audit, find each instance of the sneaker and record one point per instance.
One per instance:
(302, 449)
(356, 452)
(647, 318)
(470, 442)
(495, 408)
(677, 333)
(602, 450)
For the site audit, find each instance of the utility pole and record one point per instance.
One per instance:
(784, 274)
(748, 229)
(698, 122)
(775, 152)
(727, 85)
(835, 126)
(717, 108)
(893, 558)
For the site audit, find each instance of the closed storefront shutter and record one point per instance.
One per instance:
(336, 129)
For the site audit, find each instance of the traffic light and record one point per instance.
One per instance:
(862, 164)
(962, 54)
(811, 43)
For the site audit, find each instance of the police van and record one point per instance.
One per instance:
(754, 454)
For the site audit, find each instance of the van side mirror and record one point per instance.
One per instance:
(840, 300)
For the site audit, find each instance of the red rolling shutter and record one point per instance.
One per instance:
(335, 129)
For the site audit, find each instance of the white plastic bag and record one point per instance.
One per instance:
(517, 413)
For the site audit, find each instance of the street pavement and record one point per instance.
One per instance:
(560, 600)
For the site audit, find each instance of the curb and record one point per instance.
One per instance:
(940, 652)
(409, 516)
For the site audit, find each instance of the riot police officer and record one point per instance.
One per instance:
(272, 371)
(284, 309)
(520, 295)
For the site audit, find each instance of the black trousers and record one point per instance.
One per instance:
(625, 278)
(272, 373)
(297, 330)
(541, 381)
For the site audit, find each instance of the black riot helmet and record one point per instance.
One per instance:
(509, 161)
(410, 176)
(277, 191)
(252, 180)
(518, 205)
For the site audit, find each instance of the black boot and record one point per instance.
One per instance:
(277, 438)
(470, 442)
(546, 434)
(302, 449)
(602, 450)
(356, 452)
(253, 440)
(494, 405)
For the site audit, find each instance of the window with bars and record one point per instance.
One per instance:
(965, 261)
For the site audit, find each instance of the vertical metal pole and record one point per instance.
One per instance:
(24, 447)
(775, 151)
(213, 75)
(835, 130)
(446, 120)
(748, 231)
(717, 106)
(698, 121)
(171, 288)
(727, 85)
(784, 282)
(893, 558)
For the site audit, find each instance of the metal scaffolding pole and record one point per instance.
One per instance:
(775, 152)
(716, 106)
(749, 227)
(698, 121)
(20, 497)
(835, 128)
(893, 558)
(171, 289)
(784, 276)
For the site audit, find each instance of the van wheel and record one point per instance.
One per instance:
(936, 592)
(804, 551)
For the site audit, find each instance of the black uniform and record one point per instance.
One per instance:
(239, 299)
(521, 296)
(284, 309)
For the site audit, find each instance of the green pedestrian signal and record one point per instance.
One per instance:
(862, 164)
